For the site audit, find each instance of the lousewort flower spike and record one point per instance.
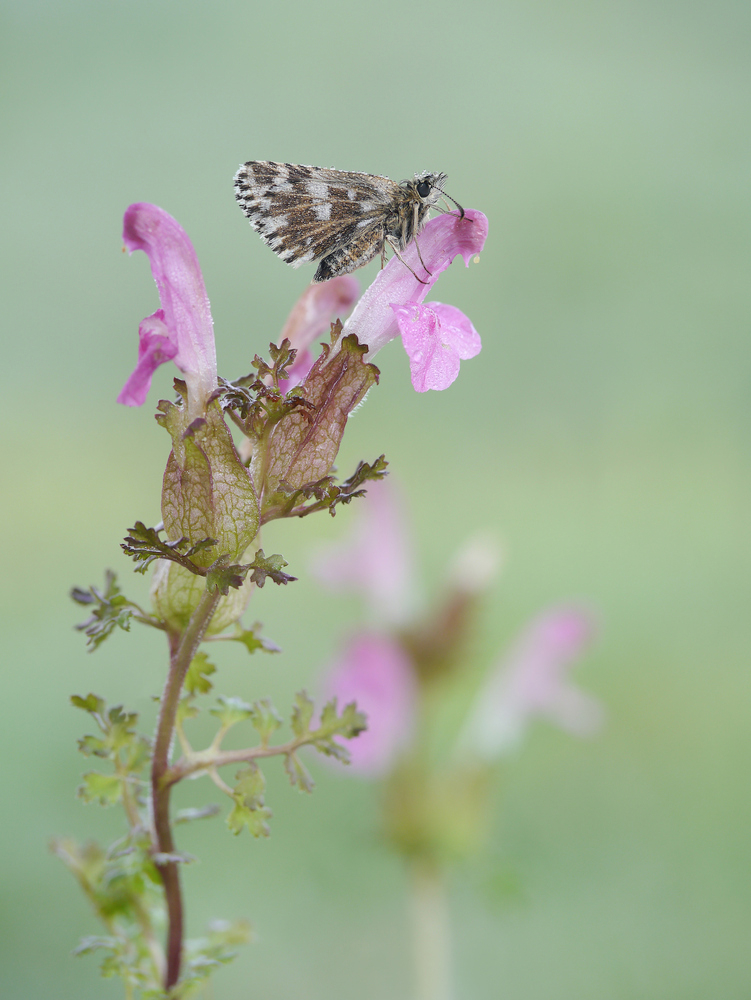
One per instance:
(245, 452)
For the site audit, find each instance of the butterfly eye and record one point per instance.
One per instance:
(423, 189)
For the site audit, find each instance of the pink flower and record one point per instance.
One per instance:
(436, 337)
(374, 671)
(311, 317)
(532, 680)
(375, 559)
(442, 335)
(182, 330)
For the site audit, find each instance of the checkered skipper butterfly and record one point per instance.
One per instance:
(339, 218)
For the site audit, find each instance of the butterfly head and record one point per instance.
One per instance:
(426, 188)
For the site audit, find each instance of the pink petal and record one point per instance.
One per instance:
(311, 317)
(155, 346)
(532, 680)
(185, 312)
(375, 672)
(442, 239)
(376, 558)
(436, 337)
(457, 330)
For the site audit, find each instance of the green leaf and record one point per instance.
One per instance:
(302, 713)
(92, 745)
(220, 946)
(365, 472)
(265, 719)
(299, 775)
(224, 577)
(92, 942)
(144, 545)
(92, 703)
(285, 501)
(138, 755)
(348, 724)
(249, 810)
(103, 788)
(237, 396)
(191, 813)
(269, 566)
(121, 741)
(173, 857)
(111, 610)
(197, 678)
(282, 356)
(122, 885)
(253, 641)
(187, 710)
(231, 710)
(121, 729)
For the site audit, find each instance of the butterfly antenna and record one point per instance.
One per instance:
(461, 210)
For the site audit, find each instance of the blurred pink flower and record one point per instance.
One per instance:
(374, 671)
(311, 317)
(532, 680)
(375, 559)
(182, 330)
(375, 318)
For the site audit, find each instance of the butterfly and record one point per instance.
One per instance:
(340, 218)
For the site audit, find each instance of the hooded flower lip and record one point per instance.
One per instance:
(374, 319)
(532, 680)
(182, 330)
(437, 338)
(155, 347)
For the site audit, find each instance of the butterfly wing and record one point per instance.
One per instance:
(361, 248)
(306, 213)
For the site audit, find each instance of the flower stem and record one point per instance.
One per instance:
(182, 650)
(431, 931)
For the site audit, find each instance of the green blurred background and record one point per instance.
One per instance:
(603, 433)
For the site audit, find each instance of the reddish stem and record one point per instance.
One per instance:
(182, 650)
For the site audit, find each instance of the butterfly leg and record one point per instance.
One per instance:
(417, 247)
(415, 231)
(397, 254)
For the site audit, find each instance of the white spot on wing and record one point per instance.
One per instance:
(322, 210)
(271, 224)
(318, 189)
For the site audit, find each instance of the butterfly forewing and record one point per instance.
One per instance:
(305, 213)
(341, 218)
